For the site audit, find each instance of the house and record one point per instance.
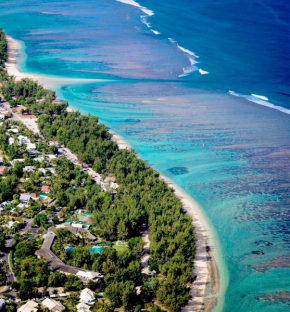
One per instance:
(15, 131)
(40, 159)
(51, 157)
(2, 304)
(11, 141)
(31, 146)
(29, 306)
(28, 169)
(53, 305)
(87, 296)
(22, 206)
(25, 198)
(2, 116)
(45, 189)
(42, 170)
(82, 307)
(22, 139)
(109, 186)
(34, 196)
(51, 169)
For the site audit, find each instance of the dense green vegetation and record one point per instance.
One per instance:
(142, 198)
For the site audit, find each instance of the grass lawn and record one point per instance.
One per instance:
(120, 246)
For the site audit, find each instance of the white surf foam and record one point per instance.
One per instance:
(261, 97)
(187, 51)
(144, 21)
(137, 5)
(171, 40)
(203, 72)
(259, 100)
(155, 32)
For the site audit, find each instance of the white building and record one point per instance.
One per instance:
(28, 169)
(2, 304)
(11, 141)
(87, 296)
(31, 146)
(22, 139)
(30, 306)
(82, 307)
(53, 305)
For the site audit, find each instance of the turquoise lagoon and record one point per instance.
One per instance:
(230, 153)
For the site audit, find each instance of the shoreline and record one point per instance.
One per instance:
(206, 270)
(14, 47)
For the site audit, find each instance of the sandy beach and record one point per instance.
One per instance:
(14, 49)
(206, 285)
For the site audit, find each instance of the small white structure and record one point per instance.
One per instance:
(53, 305)
(22, 139)
(2, 116)
(42, 170)
(87, 296)
(14, 130)
(11, 141)
(2, 304)
(51, 157)
(40, 159)
(82, 307)
(31, 146)
(28, 169)
(29, 306)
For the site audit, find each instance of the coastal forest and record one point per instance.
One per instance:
(142, 198)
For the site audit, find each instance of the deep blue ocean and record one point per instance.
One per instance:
(201, 90)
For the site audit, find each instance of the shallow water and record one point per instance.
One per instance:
(230, 154)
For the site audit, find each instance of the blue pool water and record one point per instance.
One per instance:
(96, 249)
(68, 249)
(208, 108)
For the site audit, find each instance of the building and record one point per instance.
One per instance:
(11, 141)
(53, 305)
(34, 196)
(87, 296)
(45, 189)
(31, 146)
(2, 116)
(29, 306)
(2, 304)
(22, 139)
(25, 198)
(28, 169)
(82, 307)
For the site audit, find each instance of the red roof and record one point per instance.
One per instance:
(34, 195)
(45, 189)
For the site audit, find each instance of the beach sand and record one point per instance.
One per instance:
(206, 285)
(14, 48)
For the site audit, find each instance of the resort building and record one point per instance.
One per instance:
(56, 264)
(29, 306)
(87, 296)
(53, 305)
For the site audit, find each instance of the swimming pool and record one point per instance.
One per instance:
(96, 249)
